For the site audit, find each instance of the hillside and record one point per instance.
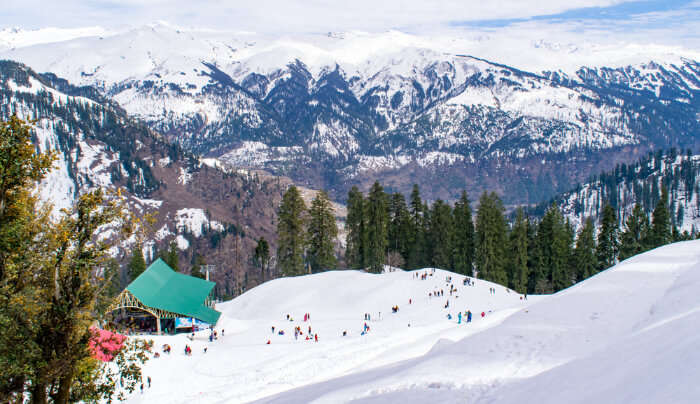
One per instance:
(332, 111)
(241, 367)
(638, 182)
(627, 334)
(213, 211)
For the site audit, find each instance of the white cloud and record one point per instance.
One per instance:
(279, 15)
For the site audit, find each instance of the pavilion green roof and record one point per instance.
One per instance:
(162, 288)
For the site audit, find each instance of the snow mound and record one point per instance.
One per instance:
(629, 334)
(241, 367)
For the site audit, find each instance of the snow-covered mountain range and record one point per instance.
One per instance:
(345, 108)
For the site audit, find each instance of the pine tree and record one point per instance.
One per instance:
(491, 239)
(356, 239)
(136, 264)
(661, 222)
(441, 235)
(634, 238)
(607, 239)
(463, 236)
(518, 270)
(172, 258)
(377, 225)
(290, 233)
(562, 276)
(399, 233)
(197, 267)
(585, 261)
(261, 256)
(322, 232)
(417, 254)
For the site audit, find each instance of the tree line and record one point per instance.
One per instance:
(527, 254)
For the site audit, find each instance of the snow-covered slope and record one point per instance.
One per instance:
(334, 109)
(629, 334)
(240, 366)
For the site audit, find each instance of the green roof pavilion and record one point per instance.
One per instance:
(165, 293)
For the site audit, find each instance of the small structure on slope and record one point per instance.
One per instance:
(163, 294)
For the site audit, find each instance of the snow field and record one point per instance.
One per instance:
(629, 334)
(240, 366)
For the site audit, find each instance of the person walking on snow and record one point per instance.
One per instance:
(149, 381)
(316, 337)
(459, 318)
(469, 316)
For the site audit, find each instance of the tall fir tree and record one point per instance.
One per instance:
(399, 226)
(417, 253)
(356, 238)
(290, 233)
(171, 257)
(634, 238)
(136, 264)
(518, 269)
(585, 261)
(463, 236)
(554, 249)
(563, 277)
(491, 239)
(322, 232)
(608, 246)
(197, 263)
(261, 257)
(661, 221)
(377, 214)
(441, 235)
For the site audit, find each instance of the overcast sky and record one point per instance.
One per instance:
(671, 22)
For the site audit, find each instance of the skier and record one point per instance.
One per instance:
(483, 314)
(149, 381)
(459, 318)
(316, 337)
(273, 329)
(268, 342)
(469, 316)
